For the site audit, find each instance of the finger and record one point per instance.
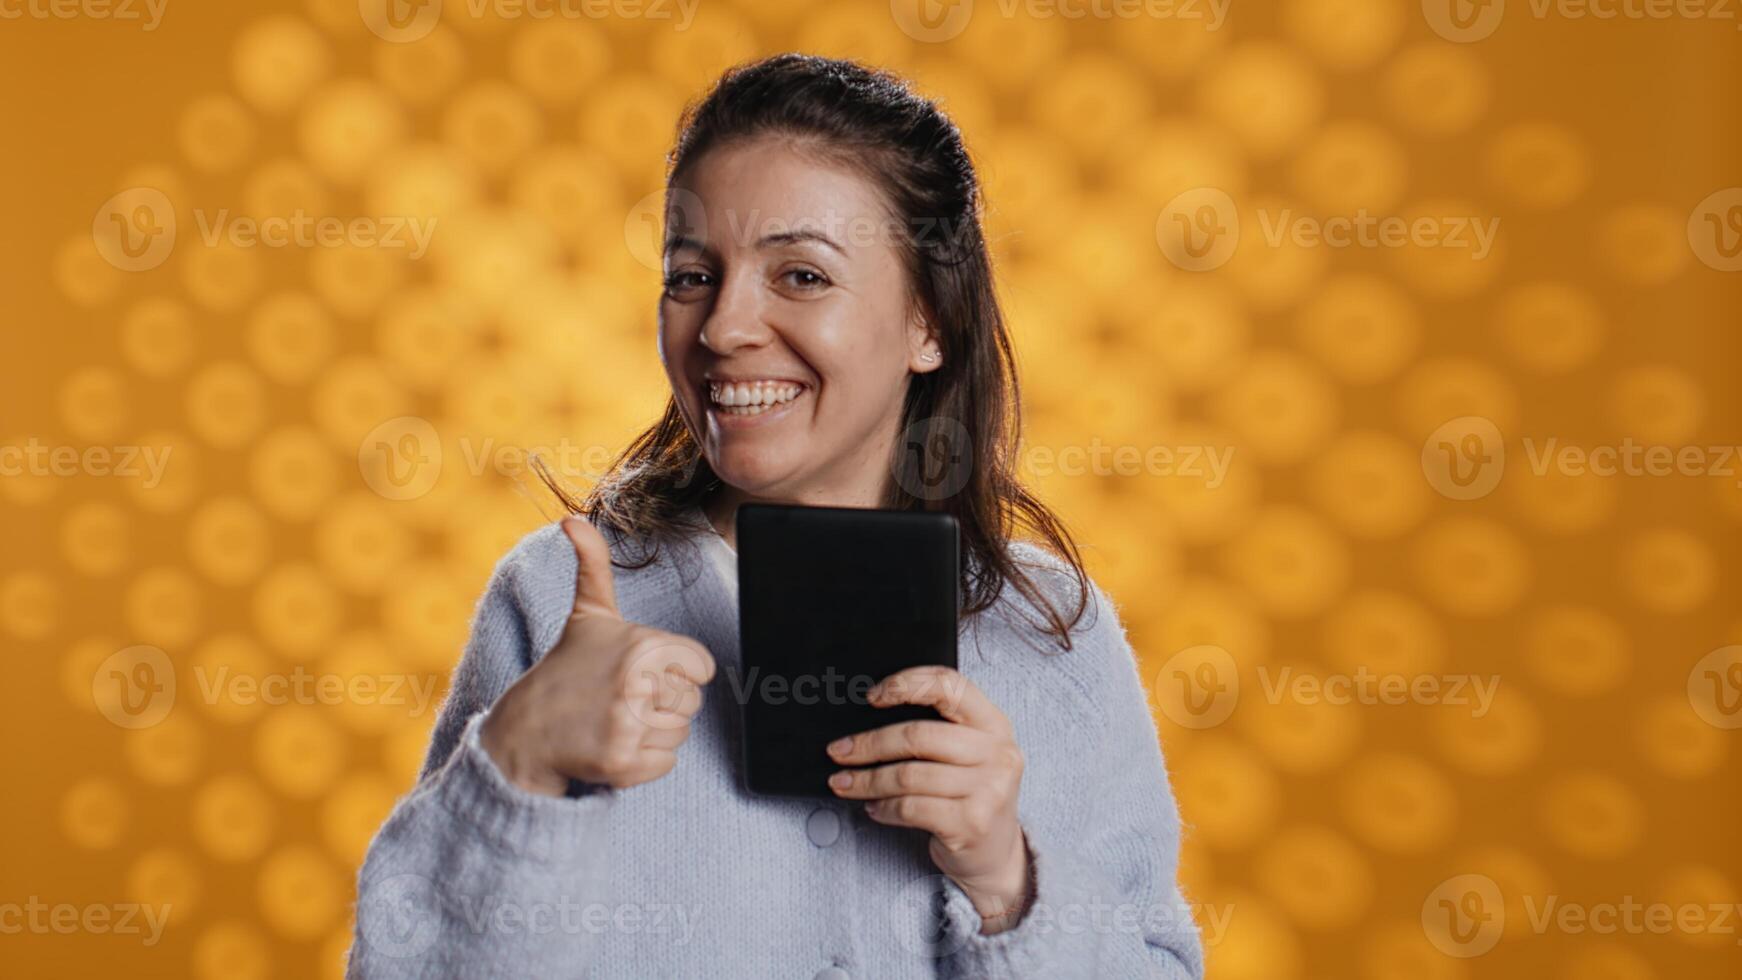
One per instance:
(937, 741)
(595, 588)
(668, 653)
(949, 691)
(650, 764)
(929, 813)
(666, 737)
(903, 779)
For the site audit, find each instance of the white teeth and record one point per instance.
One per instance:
(752, 397)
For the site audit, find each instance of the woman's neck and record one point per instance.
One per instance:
(720, 506)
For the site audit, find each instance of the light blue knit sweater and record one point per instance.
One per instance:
(690, 876)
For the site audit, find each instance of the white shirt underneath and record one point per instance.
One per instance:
(724, 559)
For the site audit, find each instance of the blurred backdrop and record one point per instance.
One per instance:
(1382, 353)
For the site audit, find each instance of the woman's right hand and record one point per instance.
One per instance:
(610, 703)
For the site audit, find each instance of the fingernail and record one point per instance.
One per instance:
(841, 780)
(840, 745)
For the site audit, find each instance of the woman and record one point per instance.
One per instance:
(828, 306)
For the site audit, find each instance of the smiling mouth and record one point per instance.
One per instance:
(751, 397)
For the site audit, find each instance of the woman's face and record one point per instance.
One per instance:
(785, 326)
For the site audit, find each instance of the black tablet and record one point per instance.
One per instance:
(831, 601)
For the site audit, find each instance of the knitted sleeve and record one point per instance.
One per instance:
(1106, 897)
(471, 875)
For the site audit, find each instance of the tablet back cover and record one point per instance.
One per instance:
(831, 601)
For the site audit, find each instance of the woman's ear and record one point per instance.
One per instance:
(924, 353)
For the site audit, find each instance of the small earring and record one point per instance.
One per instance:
(930, 355)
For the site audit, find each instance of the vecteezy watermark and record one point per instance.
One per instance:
(402, 915)
(414, 692)
(1199, 230)
(1467, 21)
(401, 459)
(148, 13)
(1631, 459)
(1465, 458)
(1715, 230)
(1474, 691)
(1472, 233)
(33, 458)
(1715, 687)
(35, 916)
(1209, 464)
(404, 21)
(832, 687)
(301, 230)
(926, 926)
(937, 21)
(137, 688)
(135, 230)
(1199, 687)
(1464, 916)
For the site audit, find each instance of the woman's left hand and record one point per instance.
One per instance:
(957, 778)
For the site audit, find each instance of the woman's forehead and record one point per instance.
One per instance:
(770, 187)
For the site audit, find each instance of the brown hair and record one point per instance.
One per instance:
(964, 415)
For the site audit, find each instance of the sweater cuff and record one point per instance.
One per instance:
(1026, 949)
(530, 825)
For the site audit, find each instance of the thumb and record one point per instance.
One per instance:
(595, 590)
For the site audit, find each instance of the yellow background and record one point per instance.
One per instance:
(1318, 831)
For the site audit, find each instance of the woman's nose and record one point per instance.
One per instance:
(737, 318)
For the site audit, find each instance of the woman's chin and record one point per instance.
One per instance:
(755, 476)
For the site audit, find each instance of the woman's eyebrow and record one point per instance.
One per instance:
(796, 236)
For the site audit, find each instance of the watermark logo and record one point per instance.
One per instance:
(1198, 687)
(1463, 21)
(932, 21)
(396, 915)
(1715, 230)
(400, 21)
(934, 458)
(922, 921)
(1464, 458)
(1199, 229)
(1464, 916)
(1715, 687)
(135, 229)
(135, 687)
(401, 458)
(664, 220)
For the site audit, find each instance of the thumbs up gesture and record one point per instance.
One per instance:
(610, 703)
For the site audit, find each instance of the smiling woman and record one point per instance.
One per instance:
(831, 336)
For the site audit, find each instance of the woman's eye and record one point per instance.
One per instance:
(679, 282)
(805, 279)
